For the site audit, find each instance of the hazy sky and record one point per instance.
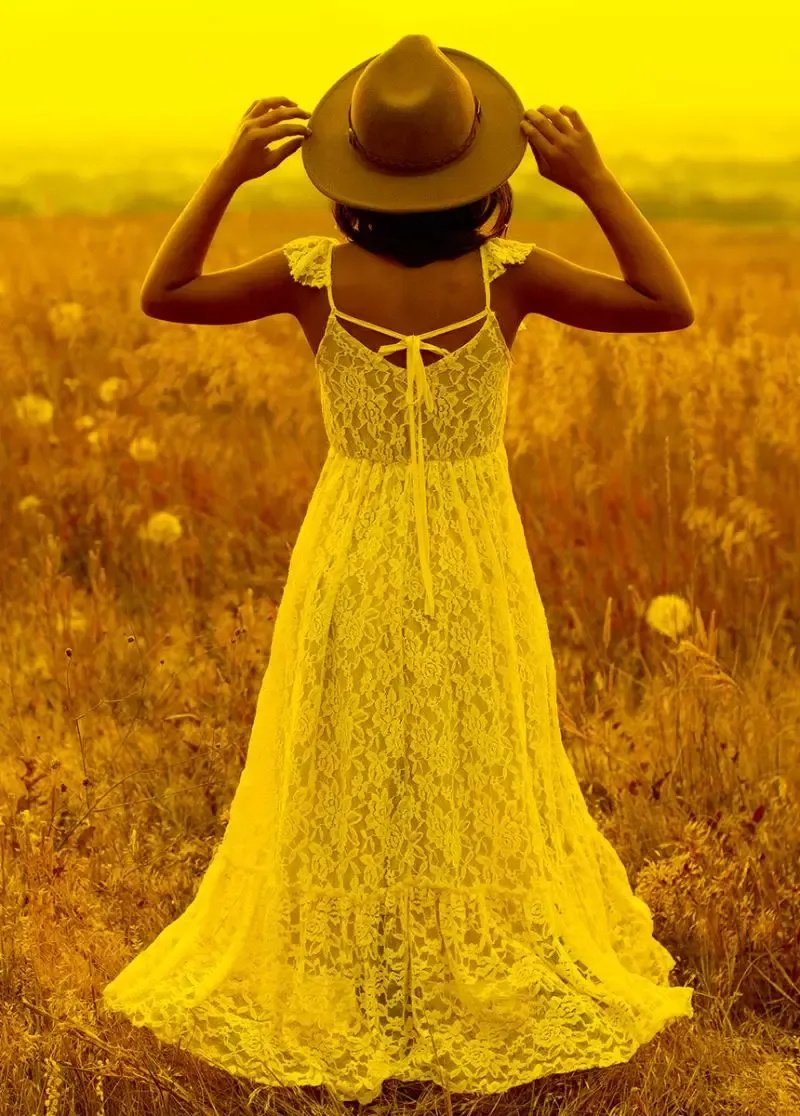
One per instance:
(696, 76)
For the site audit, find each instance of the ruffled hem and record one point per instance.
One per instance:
(478, 990)
(412, 1068)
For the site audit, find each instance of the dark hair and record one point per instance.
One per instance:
(416, 239)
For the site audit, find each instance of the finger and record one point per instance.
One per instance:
(554, 117)
(573, 115)
(272, 132)
(542, 129)
(275, 102)
(285, 110)
(532, 134)
(282, 113)
(289, 147)
(267, 104)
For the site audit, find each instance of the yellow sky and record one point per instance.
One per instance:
(695, 76)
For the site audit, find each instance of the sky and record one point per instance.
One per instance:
(695, 77)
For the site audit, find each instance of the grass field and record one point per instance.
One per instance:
(154, 477)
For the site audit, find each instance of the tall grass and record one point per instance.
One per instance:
(154, 478)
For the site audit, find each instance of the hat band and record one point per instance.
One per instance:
(409, 164)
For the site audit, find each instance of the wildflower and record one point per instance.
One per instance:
(66, 320)
(668, 614)
(33, 410)
(162, 527)
(143, 448)
(110, 388)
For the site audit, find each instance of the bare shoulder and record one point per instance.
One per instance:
(556, 288)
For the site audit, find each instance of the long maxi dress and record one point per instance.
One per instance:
(410, 883)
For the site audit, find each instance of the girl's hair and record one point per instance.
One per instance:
(416, 239)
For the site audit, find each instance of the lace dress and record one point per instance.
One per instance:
(410, 884)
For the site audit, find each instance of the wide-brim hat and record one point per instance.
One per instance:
(417, 128)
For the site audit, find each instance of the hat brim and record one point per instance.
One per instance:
(342, 174)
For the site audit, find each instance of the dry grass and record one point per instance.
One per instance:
(138, 606)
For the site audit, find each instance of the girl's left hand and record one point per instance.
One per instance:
(265, 122)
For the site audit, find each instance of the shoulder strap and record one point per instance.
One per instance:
(430, 332)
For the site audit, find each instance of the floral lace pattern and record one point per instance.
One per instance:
(410, 884)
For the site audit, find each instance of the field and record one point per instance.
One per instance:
(154, 477)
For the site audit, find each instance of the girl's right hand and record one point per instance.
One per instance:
(563, 147)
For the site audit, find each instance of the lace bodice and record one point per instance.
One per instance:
(452, 409)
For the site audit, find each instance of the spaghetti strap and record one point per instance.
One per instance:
(403, 336)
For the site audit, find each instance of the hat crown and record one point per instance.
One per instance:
(415, 129)
(412, 108)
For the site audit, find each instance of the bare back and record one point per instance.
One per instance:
(408, 300)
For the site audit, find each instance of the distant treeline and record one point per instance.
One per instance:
(726, 192)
